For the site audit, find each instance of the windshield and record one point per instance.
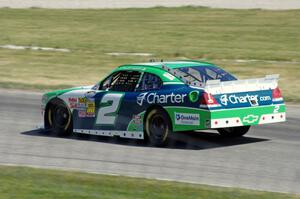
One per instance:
(204, 73)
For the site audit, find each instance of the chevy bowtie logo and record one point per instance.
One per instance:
(250, 118)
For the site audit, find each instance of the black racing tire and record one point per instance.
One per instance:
(232, 132)
(59, 118)
(157, 127)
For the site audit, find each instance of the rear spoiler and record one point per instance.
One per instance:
(265, 83)
(218, 87)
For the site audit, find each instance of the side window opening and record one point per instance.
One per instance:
(124, 81)
(105, 83)
(149, 82)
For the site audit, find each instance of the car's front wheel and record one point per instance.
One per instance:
(59, 118)
(234, 131)
(157, 127)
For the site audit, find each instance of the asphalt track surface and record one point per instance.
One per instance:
(268, 158)
(78, 4)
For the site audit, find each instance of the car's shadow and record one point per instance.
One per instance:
(180, 140)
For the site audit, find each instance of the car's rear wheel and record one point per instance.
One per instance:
(234, 131)
(59, 118)
(157, 127)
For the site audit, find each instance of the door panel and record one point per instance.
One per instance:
(108, 109)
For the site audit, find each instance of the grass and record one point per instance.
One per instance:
(222, 36)
(25, 182)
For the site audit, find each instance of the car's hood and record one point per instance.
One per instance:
(49, 95)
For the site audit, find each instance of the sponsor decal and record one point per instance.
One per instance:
(81, 113)
(90, 114)
(154, 98)
(72, 102)
(250, 119)
(81, 102)
(194, 96)
(137, 119)
(86, 107)
(187, 118)
(141, 98)
(85, 113)
(90, 111)
(90, 103)
(234, 99)
(265, 98)
(73, 99)
(136, 123)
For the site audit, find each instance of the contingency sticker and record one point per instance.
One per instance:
(187, 119)
(85, 106)
(90, 111)
(73, 102)
(81, 102)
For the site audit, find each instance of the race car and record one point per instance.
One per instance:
(152, 100)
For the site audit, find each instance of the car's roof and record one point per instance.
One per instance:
(172, 64)
(157, 68)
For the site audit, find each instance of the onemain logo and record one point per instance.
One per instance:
(154, 98)
(252, 99)
(187, 118)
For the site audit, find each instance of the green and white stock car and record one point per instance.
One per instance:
(153, 100)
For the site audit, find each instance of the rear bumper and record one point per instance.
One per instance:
(200, 119)
(246, 116)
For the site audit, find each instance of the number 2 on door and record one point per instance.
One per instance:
(107, 114)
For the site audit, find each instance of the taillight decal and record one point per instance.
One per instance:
(208, 100)
(276, 94)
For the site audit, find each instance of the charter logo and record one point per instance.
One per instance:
(233, 99)
(141, 98)
(252, 99)
(187, 119)
(154, 98)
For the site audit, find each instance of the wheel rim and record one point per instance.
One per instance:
(158, 127)
(60, 116)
